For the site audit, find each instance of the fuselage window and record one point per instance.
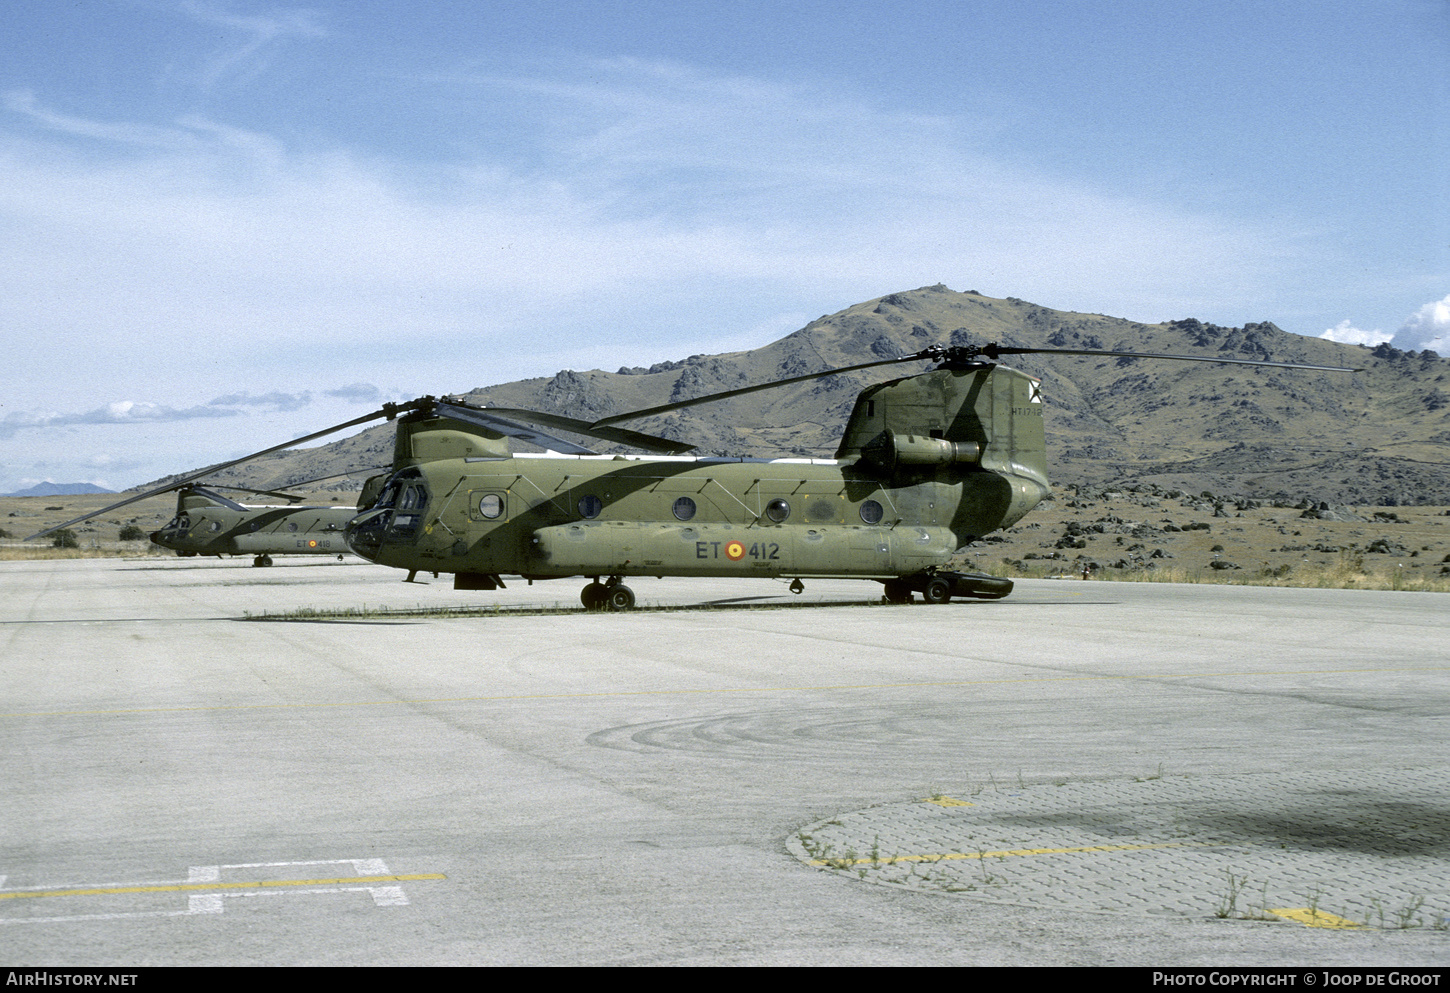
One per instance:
(777, 510)
(590, 506)
(291, 525)
(491, 506)
(215, 526)
(684, 508)
(871, 512)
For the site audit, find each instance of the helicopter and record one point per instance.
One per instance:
(207, 523)
(928, 463)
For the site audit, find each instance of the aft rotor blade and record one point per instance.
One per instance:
(665, 408)
(388, 410)
(624, 436)
(992, 351)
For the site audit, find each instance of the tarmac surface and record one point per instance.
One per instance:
(1085, 773)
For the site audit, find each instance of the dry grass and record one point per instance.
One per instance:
(42, 549)
(1347, 574)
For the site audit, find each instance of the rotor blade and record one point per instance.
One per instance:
(993, 350)
(389, 410)
(293, 497)
(952, 355)
(624, 436)
(665, 408)
(483, 418)
(229, 504)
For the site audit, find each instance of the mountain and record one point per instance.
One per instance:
(1380, 436)
(58, 489)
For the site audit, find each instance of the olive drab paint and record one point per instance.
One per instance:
(928, 464)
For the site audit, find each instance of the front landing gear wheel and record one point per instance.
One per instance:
(938, 590)
(897, 591)
(594, 596)
(261, 560)
(620, 598)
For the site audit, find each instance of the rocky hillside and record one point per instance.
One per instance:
(1377, 437)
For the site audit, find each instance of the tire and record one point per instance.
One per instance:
(621, 598)
(897, 591)
(938, 590)
(593, 596)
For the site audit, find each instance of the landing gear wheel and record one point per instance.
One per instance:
(594, 596)
(938, 590)
(897, 591)
(621, 598)
(261, 560)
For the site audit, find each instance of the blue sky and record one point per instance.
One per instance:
(223, 224)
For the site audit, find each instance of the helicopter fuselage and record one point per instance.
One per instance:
(548, 516)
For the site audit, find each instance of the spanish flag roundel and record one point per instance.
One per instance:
(734, 551)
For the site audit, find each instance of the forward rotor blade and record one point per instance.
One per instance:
(390, 410)
(665, 408)
(484, 417)
(293, 497)
(224, 501)
(624, 436)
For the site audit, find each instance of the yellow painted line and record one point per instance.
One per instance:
(836, 863)
(1314, 918)
(197, 887)
(516, 697)
(946, 801)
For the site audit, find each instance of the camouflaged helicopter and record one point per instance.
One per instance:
(928, 464)
(207, 523)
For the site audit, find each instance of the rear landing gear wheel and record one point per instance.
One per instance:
(621, 598)
(897, 591)
(938, 590)
(261, 560)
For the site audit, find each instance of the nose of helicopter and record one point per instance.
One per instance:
(364, 533)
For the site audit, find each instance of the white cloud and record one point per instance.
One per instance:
(1347, 334)
(1426, 328)
(664, 212)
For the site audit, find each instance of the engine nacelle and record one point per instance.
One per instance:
(890, 450)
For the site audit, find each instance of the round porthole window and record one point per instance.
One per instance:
(590, 506)
(684, 508)
(777, 510)
(291, 525)
(871, 512)
(491, 506)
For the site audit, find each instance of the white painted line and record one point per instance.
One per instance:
(215, 903)
(204, 903)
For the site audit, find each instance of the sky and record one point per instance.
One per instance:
(227, 223)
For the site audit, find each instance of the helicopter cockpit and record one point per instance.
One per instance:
(395, 515)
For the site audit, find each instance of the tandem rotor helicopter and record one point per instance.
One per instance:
(928, 463)
(207, 523)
